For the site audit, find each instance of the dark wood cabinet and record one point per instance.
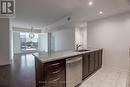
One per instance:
(91, 62)
(53, 74)
(100, 58)
(85, 65)
(96, 60)
(39, 71)
(50, 74)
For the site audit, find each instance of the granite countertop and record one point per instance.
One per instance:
(44, 57)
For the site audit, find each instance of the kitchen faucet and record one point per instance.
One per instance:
(77, 46)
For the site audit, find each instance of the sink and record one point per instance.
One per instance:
(83, 50)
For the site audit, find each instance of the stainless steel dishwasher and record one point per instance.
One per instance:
(73, 71)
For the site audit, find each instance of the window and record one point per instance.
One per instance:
(27, 43)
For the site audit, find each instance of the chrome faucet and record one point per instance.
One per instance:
(77, 46)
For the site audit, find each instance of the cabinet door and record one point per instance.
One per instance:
(100, 58)
(85, 65)
(91, 63)
(96, 60)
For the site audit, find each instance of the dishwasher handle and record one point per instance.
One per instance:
(73, 60)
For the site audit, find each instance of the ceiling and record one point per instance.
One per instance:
(108, 7)
(40, 13)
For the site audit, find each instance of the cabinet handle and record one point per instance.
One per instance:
(56, 71)
(55, 80)
(73, 60)
(55, 64)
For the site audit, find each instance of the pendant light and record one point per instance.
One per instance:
(31, 34)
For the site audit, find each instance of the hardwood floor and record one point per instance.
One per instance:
(107, 78)
(21, 73)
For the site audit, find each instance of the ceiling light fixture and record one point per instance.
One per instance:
(100, 12)
(90, 3)
(31, 34)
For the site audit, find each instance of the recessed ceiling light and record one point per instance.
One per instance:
(90, 3)
(100, 12)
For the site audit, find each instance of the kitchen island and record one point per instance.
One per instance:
(51, 70)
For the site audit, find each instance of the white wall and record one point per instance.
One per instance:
(113, 35)
(63, 40)
(4, 41)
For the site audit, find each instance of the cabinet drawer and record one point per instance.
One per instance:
(54, 67)
(55, 77)
(56, 82)
(55, 74)
(54, 64)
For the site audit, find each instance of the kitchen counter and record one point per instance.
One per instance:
(56, 69)
(44, 57)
